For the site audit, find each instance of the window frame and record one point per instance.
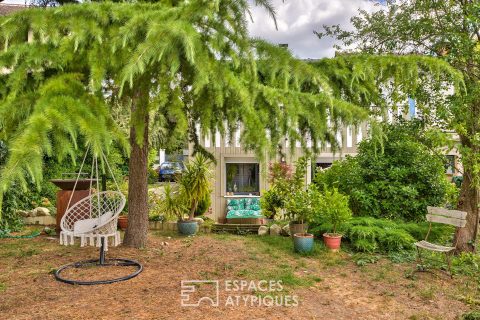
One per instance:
(240, 193)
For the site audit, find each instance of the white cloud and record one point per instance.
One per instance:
(297, 19)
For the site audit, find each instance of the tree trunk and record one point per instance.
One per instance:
(137, 230)
(468, 202)
(191, 216)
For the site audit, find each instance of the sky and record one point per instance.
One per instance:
(297, 19)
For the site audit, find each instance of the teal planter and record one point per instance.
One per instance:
(303, 242)
(187, 228)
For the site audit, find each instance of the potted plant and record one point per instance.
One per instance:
(195, 186)
(173, 205)
(296, 207)
(123, 221)
(302, 205)
(334, 209)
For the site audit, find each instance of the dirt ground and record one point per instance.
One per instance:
(327, 285)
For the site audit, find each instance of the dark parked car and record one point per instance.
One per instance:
(168, 171)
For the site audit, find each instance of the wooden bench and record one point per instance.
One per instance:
(440, 215)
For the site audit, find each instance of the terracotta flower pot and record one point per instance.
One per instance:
(123, 222)
(332, 241)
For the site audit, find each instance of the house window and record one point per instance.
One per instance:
(450, 164)
(243, 178)
(324, 165)
(320, 166)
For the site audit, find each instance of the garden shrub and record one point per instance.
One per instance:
(203, 205)
(468, 264)
(284, 182)
(396, 179)
(471, 315)
(11, 221)
(368, 234)
(15, 198)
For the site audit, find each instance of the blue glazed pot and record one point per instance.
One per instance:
(187, 228)
(303, 242)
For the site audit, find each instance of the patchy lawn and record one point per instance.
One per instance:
(327, 285)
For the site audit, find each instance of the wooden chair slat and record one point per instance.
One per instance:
(446, 220)
(456, 214)
(433, 247)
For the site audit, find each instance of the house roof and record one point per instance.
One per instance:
(10, 8)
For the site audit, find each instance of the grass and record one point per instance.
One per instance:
(20, 248)
(295, 269)
(276, 246)
(288, 266)
(428, 293)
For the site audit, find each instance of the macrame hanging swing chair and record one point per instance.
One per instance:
(94, 221)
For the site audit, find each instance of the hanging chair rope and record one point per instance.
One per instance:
(111, 171)
(78, 177)
(98, 188)
(90, 189)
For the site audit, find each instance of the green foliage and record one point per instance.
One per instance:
(203, 205)
(174, 204)
(167, 66)
(332, 207)
(471, 315)
(452, 195)
(368, 234)
(397, 179)
(302, 205)
(11, 221)
(284, 184)
(195, 182)
(152, 174)
(270, 202)
(155, 205)
(467, 264)
(156, 217)
(363, 259)
(451, 34)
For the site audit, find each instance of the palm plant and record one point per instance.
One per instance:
(195, 182)
(173, 204)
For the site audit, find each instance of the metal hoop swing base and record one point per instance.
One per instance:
(101, 262)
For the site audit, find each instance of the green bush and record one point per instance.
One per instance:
(368, 234)
(203, 205)
(472, 315)
(396, 179)
(302, 205)
(270, 202)
(15, 198)
(284, 183)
